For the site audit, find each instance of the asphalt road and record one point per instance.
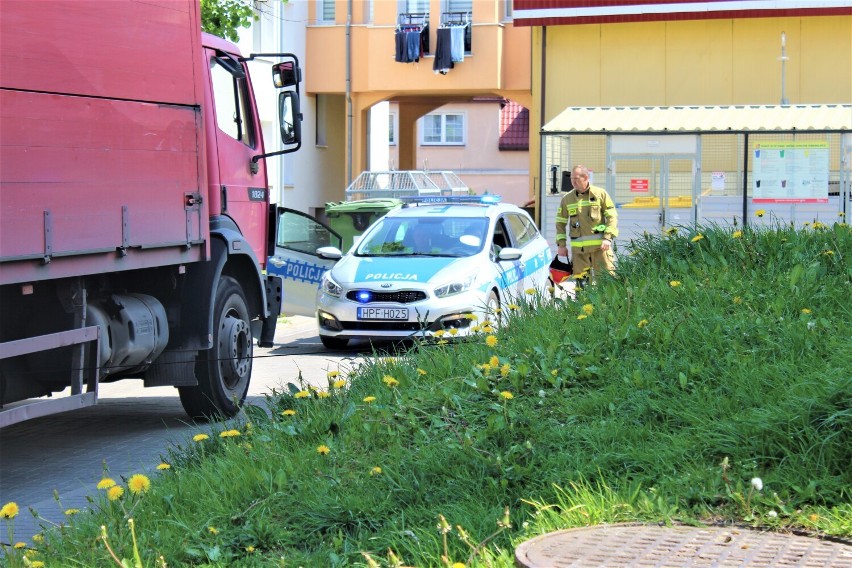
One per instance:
(131, 428)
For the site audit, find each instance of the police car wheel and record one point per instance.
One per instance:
(334, 342)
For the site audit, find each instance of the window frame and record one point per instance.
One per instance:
(244, 119)
(421, 128)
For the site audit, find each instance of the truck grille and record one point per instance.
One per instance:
(400, 297)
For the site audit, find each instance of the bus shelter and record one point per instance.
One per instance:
(682, 166)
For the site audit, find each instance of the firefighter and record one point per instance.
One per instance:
(587, 215)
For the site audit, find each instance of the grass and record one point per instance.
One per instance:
(709, 381)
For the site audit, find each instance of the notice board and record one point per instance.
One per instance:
(790, 172)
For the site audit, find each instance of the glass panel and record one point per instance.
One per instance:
(303, 234)
(432, 128)
(455, 128)
(233, 111)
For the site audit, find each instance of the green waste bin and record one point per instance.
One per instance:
(351, 218)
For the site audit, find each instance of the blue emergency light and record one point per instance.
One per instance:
(364, 296)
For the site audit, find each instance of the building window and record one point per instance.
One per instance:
(413, 6)
(321, 113)
(393, 127)
(325, 11)
(507, 10)
(459, 6)
(442, 129)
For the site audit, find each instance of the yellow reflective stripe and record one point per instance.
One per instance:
(561, 237)
(561, 219)
(586, 242)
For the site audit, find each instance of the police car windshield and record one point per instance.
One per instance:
(424, 236)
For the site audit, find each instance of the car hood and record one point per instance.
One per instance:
(352, 270)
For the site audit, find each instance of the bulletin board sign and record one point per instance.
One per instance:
(790, 172)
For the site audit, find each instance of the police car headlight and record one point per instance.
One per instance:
(330, 287)
(456, 286)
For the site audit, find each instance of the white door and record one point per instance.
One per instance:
(296, 260)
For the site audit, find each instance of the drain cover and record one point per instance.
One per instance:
(614, 546)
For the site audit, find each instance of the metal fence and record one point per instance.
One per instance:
(710, 185)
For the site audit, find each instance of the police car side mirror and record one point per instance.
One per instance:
(509, 253)
(331, 253)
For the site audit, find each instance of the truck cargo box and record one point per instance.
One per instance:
(101, 143)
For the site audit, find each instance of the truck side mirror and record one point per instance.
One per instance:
(286, 74)
(289, 117)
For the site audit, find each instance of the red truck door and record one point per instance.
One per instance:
(235, 189)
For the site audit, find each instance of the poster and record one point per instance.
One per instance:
(790, 172)
(717, 181)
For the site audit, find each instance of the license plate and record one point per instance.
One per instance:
(382, 313)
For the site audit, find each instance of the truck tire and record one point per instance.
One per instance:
(223, 371)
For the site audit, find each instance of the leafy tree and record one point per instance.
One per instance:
(224, 17)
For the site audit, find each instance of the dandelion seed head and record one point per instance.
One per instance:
(757, 483)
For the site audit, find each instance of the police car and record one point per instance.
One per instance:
(423, 268)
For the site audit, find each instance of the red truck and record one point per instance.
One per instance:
(135, 220)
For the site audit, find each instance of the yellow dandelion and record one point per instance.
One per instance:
(459, 565)
(476, 329)
(323, 449)
(390, 381)
(506, 395)
(486, 368)
(554, 372)
(20, 545)
(302, 394)
(339, 384)
(674, 283)
(806, 311)
(642, 323)
(106, 483)
(115, 492)
(828, 252)
(588, 309)
(333, 374)
(9, 510)
(421, 372)
(471, 317)
(671, 231)
(494, 361)
(71, 512)
(738, 300)
(229, 434)
(369, 399)
(38, 538)
(37, 564)
(376, 471)
(841, 214)
(505, 370)
(288, 412)
(138, 483)
(813, 517)
(529, 291)
(164, 466)
(491, 340)
(200, 437)
(249, 549)
(737, 234)
(439, 333)
(760, 212)
(213, 530)
(807, 224)
(697, 238)
(487, 329)
(453, 331)
(582, 317)
(442, 342)
(323, 394)
(513, 307)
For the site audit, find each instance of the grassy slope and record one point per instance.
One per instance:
(707, 362)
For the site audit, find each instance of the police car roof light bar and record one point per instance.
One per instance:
(487, 199)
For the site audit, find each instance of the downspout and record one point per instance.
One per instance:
(541, 156)
(348, 93)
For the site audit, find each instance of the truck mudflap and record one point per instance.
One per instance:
(274, 287)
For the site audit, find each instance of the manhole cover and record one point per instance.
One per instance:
(615, 546)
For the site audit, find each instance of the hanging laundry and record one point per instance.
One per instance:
(457, 43)
(443, 51)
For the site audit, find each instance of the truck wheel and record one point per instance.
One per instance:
(334, 342)
(223, 371)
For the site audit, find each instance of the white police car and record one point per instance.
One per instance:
(426, 267)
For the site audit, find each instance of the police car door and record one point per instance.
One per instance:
(296, 260)
(511, 271)
(536, 252)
